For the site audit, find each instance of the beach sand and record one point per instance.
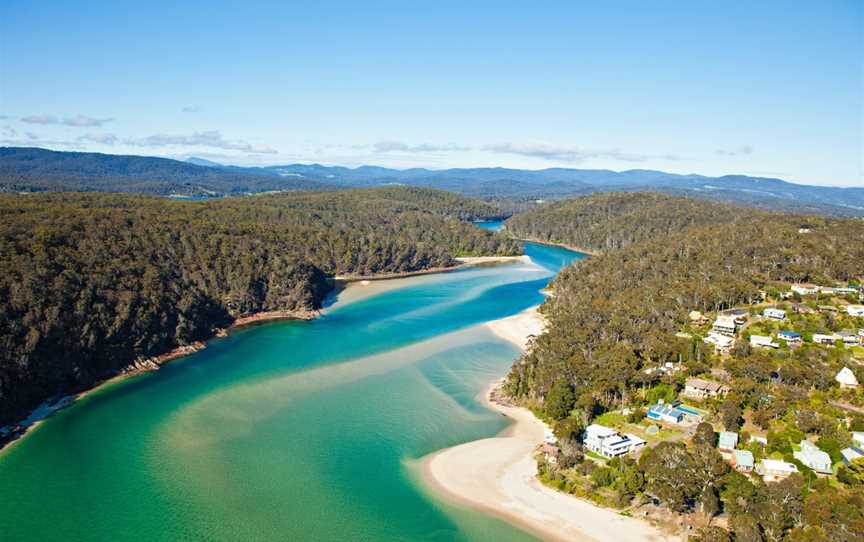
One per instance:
(498, 475)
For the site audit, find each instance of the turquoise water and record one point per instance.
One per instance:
(285, 431)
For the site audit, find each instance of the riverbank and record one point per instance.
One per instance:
(574, 248)
(499, 475)
(463, 262)
(352, 289)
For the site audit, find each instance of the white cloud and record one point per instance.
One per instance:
(212, 139)
(78, 121)
(741, 150)
(569, 153)
(104, 139)
(399, 146)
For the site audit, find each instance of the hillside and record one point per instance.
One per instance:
(608, 221)
(38, 170)
(89, 283)
(553, 183)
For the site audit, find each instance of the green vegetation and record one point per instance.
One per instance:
(613, 321)
(90, 283)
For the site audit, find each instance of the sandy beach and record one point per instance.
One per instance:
(498, 475)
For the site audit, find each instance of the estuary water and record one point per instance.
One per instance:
(289, 430)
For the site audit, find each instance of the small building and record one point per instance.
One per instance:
(761, 440)
(855, 310)
(846, 378)
(742, 460)
(722, 344)
(549, 437)
(697, 388)
(848, 337)
(725, 325)
(608, 442)
(805, 289)
(858, 437)
(665, 413)
(846, 290)
(727, 441)
(824, 338)
(828, 308)
(811, 456)
(774, 470)
(791, 337)
(851, 453)
(774, 314)
(550, 453)
(697, 318)
(763, 341)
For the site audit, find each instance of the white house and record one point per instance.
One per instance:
(697, 388)
(851, 453)
(773, 470)
(721, 343)
(763, 341)
(727, 441)
(846, 378)
(855, 310)
(742, 460)
(858, 437)
(811, 456)
(822, 338)
(608, 442)
(725, 325)
(775, 314)
(805, 289)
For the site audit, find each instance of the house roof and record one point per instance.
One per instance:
(744, 458)
(852, 453)
(701, 384)
(777, 465)
(846, 376)
(728, 440)
(600, 430)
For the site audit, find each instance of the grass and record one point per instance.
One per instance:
(611, 419)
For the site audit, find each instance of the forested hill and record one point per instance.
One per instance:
(91, 282)
(24, 169)
(602, 222)
(614, 314)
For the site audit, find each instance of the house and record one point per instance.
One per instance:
(846, 290)
(549, 437)
(608, 442)
(761, 440)
(848, 337)
(722, 344)
(725, 325)
(791, 337)
(828, 308)
(805, 289)
(763, 341)
(775, 314)
(697, 388)
(727, 441)
(851, 453)
(822, 338)
(697, 318)
(855, 310)
(846, 378)
(665, 413)
(550, 453)
(774, 470)
(811, 456)
(742, 460)
(858, 437)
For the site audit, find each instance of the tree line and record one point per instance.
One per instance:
(91, 282)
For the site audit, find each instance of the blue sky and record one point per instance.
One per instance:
(761, 88)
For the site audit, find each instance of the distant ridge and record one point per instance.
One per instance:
(33, 169)
(26, 169)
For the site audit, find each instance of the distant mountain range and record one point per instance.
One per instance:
(32, 169)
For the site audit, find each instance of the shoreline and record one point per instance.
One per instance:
(497, 475)
(574, 248)
(16, 431)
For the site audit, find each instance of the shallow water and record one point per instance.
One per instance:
(285, 431)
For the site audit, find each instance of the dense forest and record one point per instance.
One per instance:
(603, 222)
(90, 283)
(615, 315)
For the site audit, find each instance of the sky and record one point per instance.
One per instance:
(769, 88)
